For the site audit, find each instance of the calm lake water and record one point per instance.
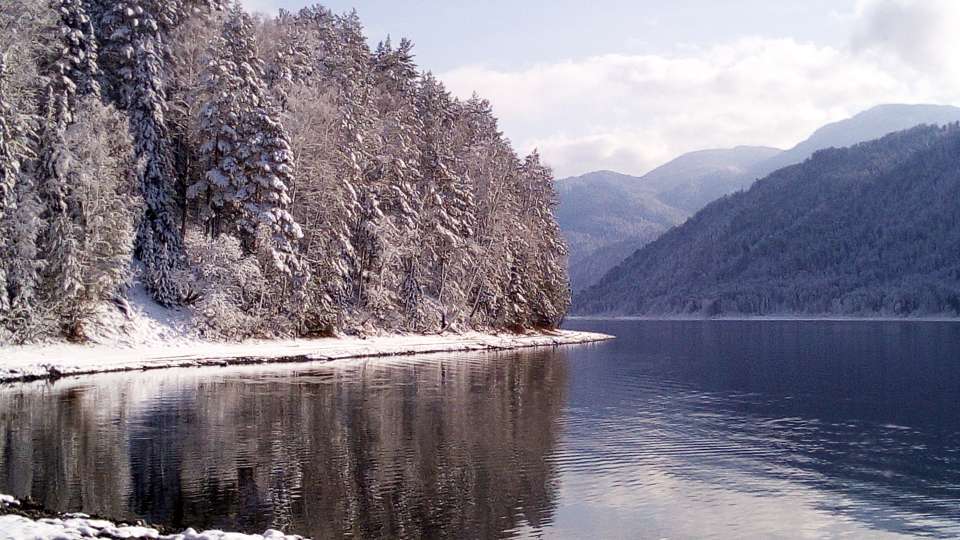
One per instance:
(677, 429)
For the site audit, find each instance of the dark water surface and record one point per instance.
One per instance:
(678, 429)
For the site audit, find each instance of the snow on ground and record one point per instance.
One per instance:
(80, 526)
(63, 359)
(144, 335)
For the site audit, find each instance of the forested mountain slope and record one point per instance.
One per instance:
(605, 234)
(870, 229)
(870, 124)
(273, 177)
(691, 181)
(606, 216)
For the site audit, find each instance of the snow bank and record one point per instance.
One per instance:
(78, 526)
(21, 528)
(63, 359)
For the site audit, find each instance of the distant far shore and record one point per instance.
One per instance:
(52, 361)
(779, 317)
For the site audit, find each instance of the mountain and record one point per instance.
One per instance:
(870, 229)
(606, 216)
(692, 180)
(868, 125)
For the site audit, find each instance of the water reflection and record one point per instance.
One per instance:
(763, 429)
(678, 429)
(454, 447)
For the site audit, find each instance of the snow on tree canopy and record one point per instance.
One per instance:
(276, 175)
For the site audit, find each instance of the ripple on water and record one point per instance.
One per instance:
(676, 434)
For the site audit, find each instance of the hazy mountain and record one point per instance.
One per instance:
(692, 180)
(606, 216)
(874, 228)
(868, 125)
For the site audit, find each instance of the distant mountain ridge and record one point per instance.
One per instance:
(606, 216)
(868, 125)
(871, 229)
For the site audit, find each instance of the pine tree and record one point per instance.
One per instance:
(549, 293)
(134, 48)
(133, 34)
(245, 152)
(71, 73)
(394, 174)
(490, 164)
(77, 64)
(9, 169)
(9, 164)
(448, 219)
(328, 133)
(19, 219)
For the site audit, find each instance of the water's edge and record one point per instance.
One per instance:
(23, 364)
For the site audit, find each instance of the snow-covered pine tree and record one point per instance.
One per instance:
(77, 60)
(19, 221)
(59, 241)
(325, 142)
(490, 164)
(244, 165)
(221, 175)
(9, 162)
(245, 153)
(71, 74)
(347, 61)
(132, 34)
(134, 50)
(549, 293)
(342, 65)
(394, 174)
(447, 215)
(288, 45)
(189, 53)
(393, 70)
(9, 169)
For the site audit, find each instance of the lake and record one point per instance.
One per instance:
(677, 429)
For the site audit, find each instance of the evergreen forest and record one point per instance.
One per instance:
(873, 229)
(276, 176)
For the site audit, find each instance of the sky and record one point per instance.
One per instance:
(627, 85)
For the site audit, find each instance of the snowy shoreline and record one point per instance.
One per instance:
(51, 361)
(79, 526)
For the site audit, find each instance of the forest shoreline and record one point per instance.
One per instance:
(55, 360)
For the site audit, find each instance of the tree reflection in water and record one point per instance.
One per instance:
(429, 447)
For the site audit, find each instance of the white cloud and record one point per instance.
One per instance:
(632, 113)
(920, 33)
